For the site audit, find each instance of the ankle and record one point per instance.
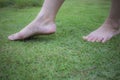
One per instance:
(45, 17)
(115, 23)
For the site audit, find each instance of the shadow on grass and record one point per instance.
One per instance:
(41, 38)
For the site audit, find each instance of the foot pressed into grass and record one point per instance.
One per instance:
(35, 28)
(104, 33)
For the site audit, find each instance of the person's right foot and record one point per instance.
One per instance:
(109, 29)
(45, 26)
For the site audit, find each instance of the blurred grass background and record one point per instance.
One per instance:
(20, 3)
(63, 55)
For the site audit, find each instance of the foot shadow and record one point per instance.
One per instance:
(41, 38)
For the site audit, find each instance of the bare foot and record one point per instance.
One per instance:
(105, 32)
(41, 26)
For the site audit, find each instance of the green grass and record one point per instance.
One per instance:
(20, 3)
(63, 55)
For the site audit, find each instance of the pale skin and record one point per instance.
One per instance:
(44, 23)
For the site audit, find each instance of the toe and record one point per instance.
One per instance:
(105, 39)
(11, 37)
(99, 39)
(90, 38)
(15, 36)
(94, 39)
(85, 37)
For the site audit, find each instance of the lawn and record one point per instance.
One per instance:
(63, 55)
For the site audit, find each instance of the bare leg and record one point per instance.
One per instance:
(44, 23)
(110, 28)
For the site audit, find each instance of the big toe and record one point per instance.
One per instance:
(12, 37)
(88, 38)
(15, 36)
(85, 37)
